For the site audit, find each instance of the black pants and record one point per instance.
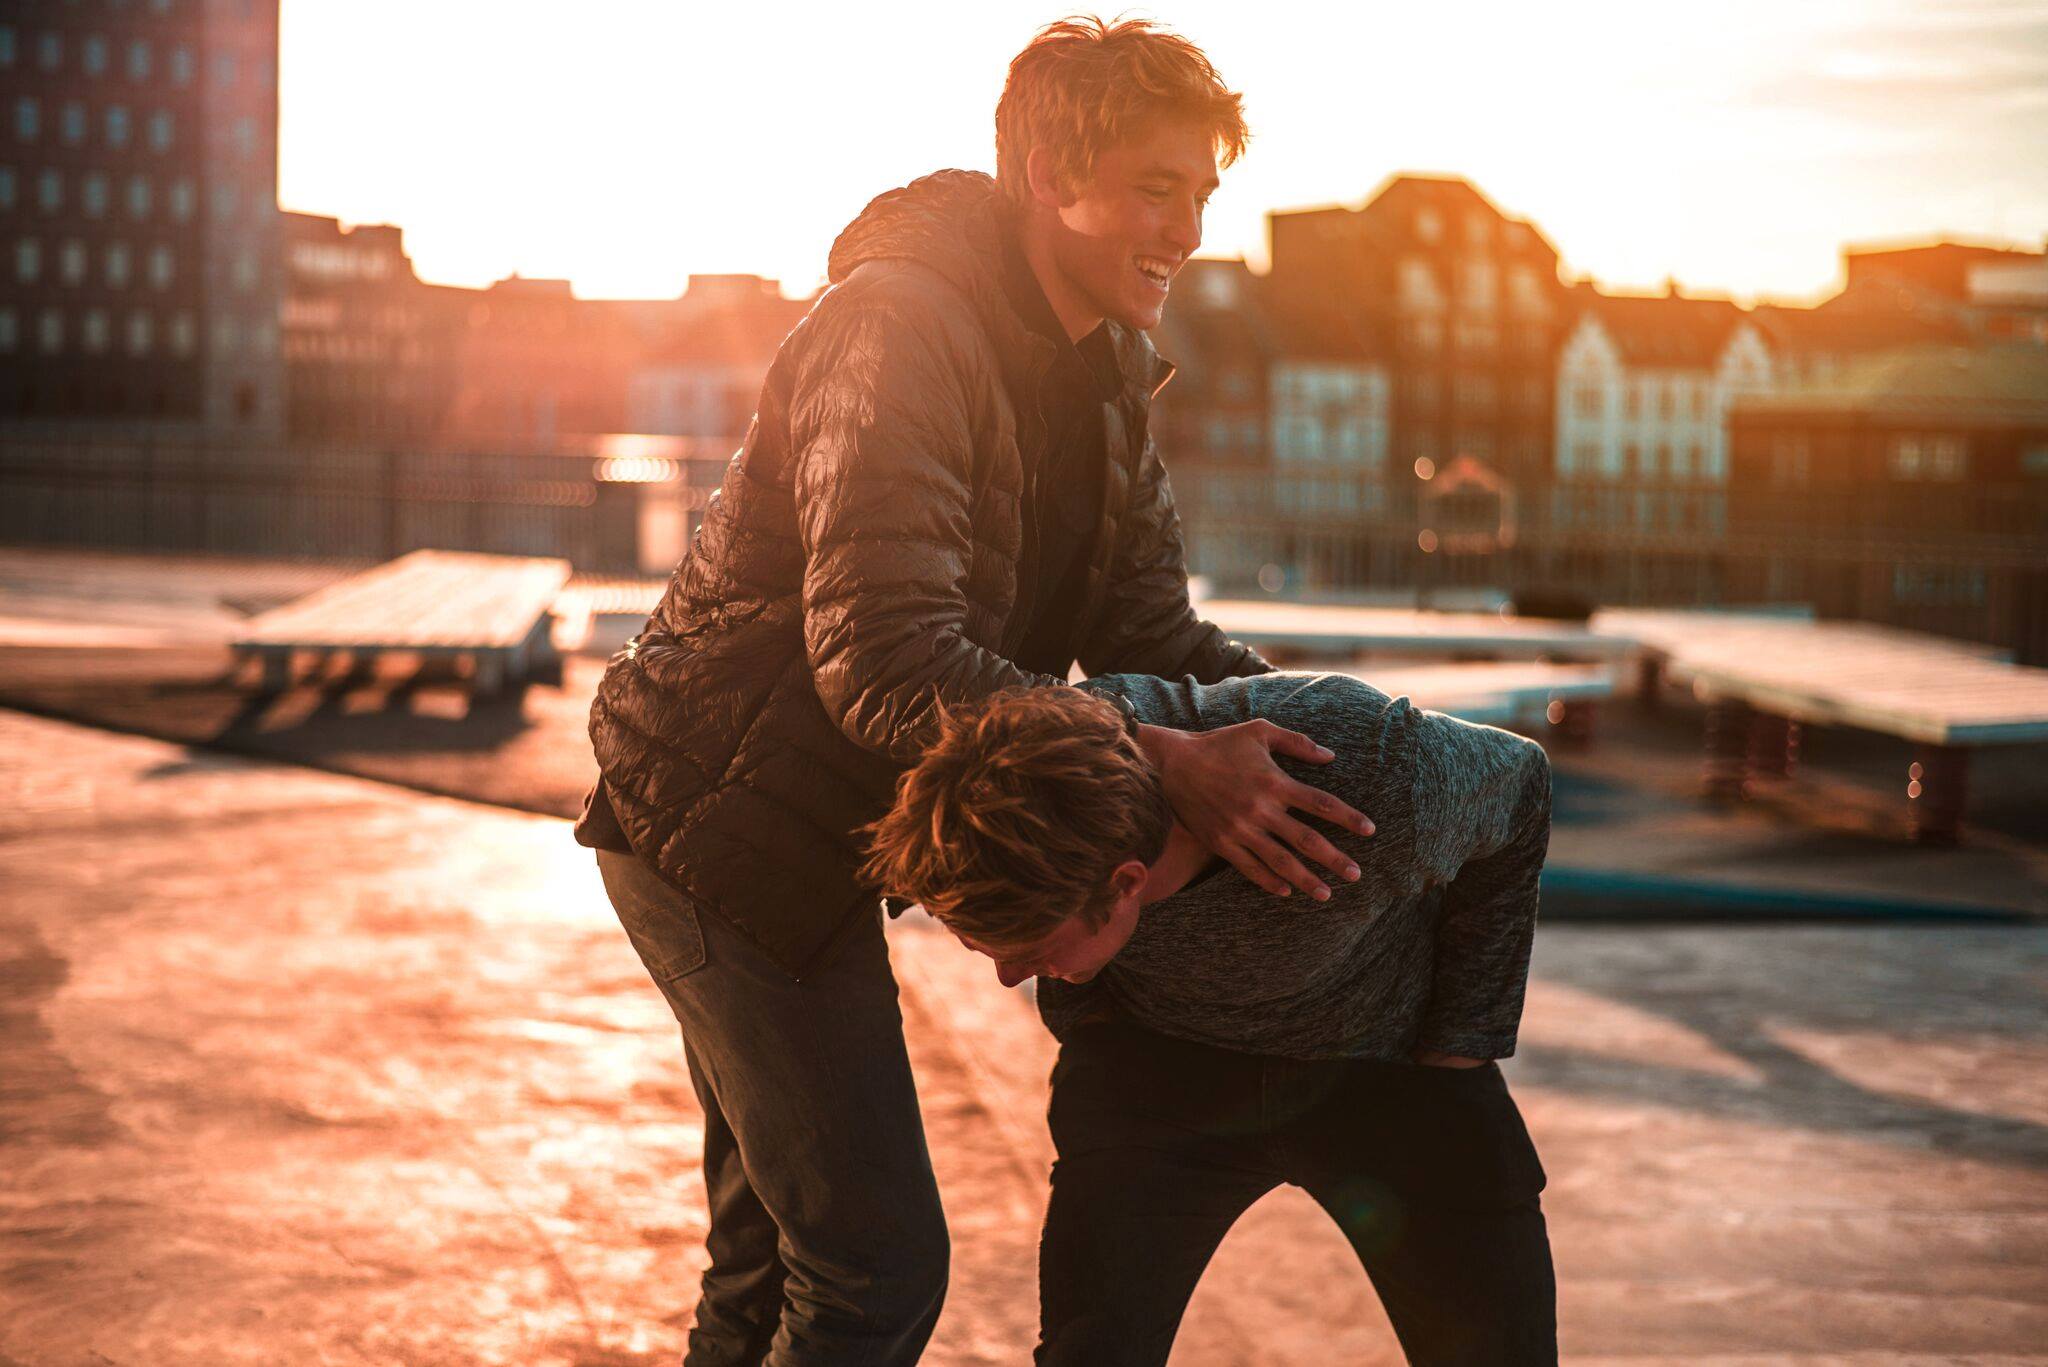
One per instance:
(827, 1242)
(1164, 1143)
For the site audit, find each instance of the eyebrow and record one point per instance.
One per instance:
(1161, 171)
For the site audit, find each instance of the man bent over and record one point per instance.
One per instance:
(1215, 1043)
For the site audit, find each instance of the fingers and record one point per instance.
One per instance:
(1281, 860)
(1309, 844)
(1293, 744)
(1254, 869)
(1328, 806)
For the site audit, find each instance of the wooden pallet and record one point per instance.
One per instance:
(1336, 629)
(493, 610)
(1763, 678)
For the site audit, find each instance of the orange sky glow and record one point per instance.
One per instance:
(625, 144)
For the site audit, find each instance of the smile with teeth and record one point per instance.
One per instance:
(1154, 270)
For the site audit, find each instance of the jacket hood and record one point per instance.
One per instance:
(951, 222)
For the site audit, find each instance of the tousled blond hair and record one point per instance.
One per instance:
(1013, 821)
(1081, 86)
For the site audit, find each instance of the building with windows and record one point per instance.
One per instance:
(140, 278)
(1470, 305)
(1909, 487)
(368, 348)
(701, 370)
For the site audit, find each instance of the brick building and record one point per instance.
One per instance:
(702, 367)
(1470, 305)
(1909, 487)
(139, 279)
(367, 346)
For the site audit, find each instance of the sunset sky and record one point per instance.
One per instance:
(627, 143)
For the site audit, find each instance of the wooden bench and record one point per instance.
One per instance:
(1763, 678)
(494, 611)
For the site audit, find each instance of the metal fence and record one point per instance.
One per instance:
(334, 501)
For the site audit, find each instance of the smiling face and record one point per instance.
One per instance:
(1075, 951)
(1110, 248)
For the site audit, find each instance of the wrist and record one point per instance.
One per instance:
(1155, 742)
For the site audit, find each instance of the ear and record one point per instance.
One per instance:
(1043, 178)
(1128, 877)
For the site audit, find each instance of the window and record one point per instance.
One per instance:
(92, 193)
(118, 264)
(50, 192)
(227, 334)
(183, 199)
(10, 331)
(1429, 226)
(1477, 229)
(1631, 460)
(10, 189)
(118, 125)
(138, 60)
(244, 275)
(138, 197)
(1667, 400)
(28, 118)
(95, 55)
(1418, 284)
(1631, 400)
(7, 40)
(223, 200)
(71, 124)
(71, 263)
(161, 267)
(263, 203)
(160, 131)
(140, 333)
(1699, 400)
(50, 51)
(1945, 457)
(181, 65)
(266, 75)
(28, 261)
(50, 332)
(184, 334)
(1479, 279)
(94, 331)
(1906, 457)
(245, 136)
(224, 68)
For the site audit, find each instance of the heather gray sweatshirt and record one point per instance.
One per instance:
(1430, 947)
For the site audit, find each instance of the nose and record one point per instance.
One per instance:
(1009, 975)
(1184, 226)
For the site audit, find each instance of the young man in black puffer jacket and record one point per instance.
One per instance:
(949, 489)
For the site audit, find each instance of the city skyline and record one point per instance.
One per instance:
(1642, 146)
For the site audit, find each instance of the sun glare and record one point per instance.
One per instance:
(626, 145)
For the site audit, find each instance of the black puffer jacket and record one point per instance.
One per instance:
(865, 560)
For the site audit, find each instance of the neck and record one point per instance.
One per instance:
(1034, 234)
(1176, 866)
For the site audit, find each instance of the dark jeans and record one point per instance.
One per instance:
(827, 1242)
(1164, 1143)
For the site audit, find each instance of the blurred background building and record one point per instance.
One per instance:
(138, 186)
(1411, 401)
